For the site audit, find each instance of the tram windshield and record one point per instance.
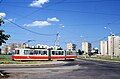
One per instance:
(17, 51)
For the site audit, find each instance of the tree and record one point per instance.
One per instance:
(3, 37)
(80, 52)
(1, 21)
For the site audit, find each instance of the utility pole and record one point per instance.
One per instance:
(57, 40)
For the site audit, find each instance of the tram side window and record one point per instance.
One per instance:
(40, 52)
(45, 52)
(57, 53)
(26, 52)
(31, 52)
(69, 53)
(36, 52)
(61, 53)
(17, 51)
(53, 52)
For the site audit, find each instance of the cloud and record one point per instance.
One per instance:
(43, 23)
(38, 23)
(2, 15)
(54, 19)
(38, 3)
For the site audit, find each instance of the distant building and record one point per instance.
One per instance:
(9, 49)
(86, 48)
(6, 49)
(94, 51)
(114, 45)
(71, 46)
(104, 47)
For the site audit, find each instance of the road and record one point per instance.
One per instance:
(79, 69)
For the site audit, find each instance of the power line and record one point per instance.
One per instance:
(43, 8)
(30, 30)
(81, 11)
(55, 2)
(62, 10)
(89, 1)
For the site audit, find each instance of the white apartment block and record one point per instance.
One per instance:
(86, 47)
(71, 46)
(114, 45)
(104, 47)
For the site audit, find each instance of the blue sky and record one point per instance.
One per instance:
(75, 20)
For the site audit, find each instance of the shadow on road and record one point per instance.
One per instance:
(4, 74)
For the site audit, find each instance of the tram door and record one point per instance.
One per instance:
(49, 54)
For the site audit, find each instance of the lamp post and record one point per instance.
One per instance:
(57, 40)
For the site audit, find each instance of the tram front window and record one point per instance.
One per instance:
(17, 51)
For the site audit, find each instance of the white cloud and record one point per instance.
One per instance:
(43, 23)
(38, 3)
(38, 23)
(2, 15)
(54, 19)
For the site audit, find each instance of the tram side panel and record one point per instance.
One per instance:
(27, 54)
(71, 55)
(57, 55)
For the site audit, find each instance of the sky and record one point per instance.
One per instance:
(74, 20)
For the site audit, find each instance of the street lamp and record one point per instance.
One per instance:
(108, 28)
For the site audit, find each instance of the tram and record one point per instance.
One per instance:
(42, 54)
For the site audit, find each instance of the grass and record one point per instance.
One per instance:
(107, 58)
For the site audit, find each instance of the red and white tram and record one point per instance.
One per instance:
(42, 54)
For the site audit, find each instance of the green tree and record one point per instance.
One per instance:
(80, 52)
(3, 36)
(1, 21)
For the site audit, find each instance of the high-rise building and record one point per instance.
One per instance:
(86, 47)
(114, 45)
(104, 47)
(71, 46)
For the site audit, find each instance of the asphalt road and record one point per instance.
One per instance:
(79, 69)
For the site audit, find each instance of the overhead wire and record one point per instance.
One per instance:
(29, 30)
(61, 10)
(43, 8)
(83, 1)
